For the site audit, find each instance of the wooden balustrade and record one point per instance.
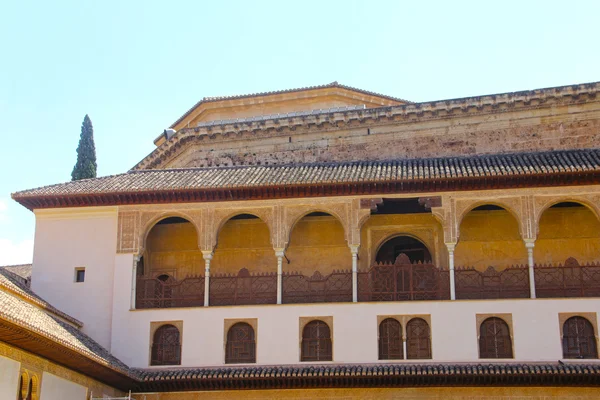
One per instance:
(398, 281)
(243, 288)
(167, 293)
(510, 283)
(403, 280)
(318, 288)
(567, 280)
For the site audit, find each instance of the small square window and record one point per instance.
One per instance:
(79, 274)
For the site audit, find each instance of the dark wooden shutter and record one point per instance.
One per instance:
(579, 340)
(390, 340)
(316, 342)
(241, 344)
(494, 339)
(418, 339)
(166, 347)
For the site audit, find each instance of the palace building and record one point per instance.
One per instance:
(323, 242)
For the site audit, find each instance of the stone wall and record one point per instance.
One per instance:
(557, 125)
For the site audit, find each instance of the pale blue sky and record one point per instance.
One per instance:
(136, 66)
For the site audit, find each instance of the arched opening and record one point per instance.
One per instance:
(418, 339)
(170, 272)
(317, 243)
(241, 344)
(172, 249)
(318, 267)
(244, 241)
(494, 339)
(244, 266)
(166, 346)
(489, 237)
(567, 229)
(579, 340)
(316, 342)
(390, 340)
(413, 248)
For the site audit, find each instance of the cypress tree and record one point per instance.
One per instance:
(86, 153)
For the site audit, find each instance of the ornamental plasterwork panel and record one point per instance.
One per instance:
(127, 238)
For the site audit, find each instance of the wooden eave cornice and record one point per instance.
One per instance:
(410, 113)
(370, 376)
(44, 347)
(312, 190)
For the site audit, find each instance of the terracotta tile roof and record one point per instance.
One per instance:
(261, 94)
(373, 375)
(340, 173)
(17, 311)
(13, 283)
(22, 271)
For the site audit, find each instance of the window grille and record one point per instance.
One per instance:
(418, 339)
(241, 345)
(579, 340)
(390, 340)
(166, 347)
(316, 342)
(494, 339)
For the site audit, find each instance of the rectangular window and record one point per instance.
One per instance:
(79, 275)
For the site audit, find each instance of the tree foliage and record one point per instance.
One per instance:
(86, 152)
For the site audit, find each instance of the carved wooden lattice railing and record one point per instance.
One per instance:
(403, 280)
(335, 287)
(243, 288)
(157, 293)
(568, 280)
(510, 283)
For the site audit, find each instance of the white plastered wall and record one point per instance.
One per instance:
(535, 324)
(77, 237)
(9, 378)
(55, 388)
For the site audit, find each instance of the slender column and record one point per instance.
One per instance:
(208, 255)
(354, 251)
(279, 253)
(451, 247)
(530, 244)
(136, 259)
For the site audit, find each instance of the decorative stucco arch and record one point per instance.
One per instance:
(156, 218)
(294, 214)
(543, 204)
(221, 216)
(512, 207)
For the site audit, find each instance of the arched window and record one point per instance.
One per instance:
(418, 340)
(390, 340)
(33, 389)
(166, 347)
(30, 390)
(494, 339)
(241, 345)
(579, 340)
(23, 387)
(316, 342)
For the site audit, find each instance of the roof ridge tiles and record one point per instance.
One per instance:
(327, 172)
